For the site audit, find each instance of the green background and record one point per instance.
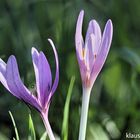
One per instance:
(115, 99)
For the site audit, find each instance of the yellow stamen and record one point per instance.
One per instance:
(83, 52)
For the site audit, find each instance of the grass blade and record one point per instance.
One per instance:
(44, 136)
(66, 110)
(32, 135)
(14, 124)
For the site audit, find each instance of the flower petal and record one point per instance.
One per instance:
(89, 53)
(35, 59)
(55, 84)
(80, 48)
(94, 29)
(78, 35)
(15, 84)
(3, 74)
(45, 78)
(105, 46)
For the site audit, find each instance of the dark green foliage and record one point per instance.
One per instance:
(115, 101)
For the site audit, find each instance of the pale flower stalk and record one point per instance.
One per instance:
(10, 78)
(91, 55)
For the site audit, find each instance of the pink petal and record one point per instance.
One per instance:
(94, 30)
(78, 35)
(89, 53)
(92, 43)
(105, 46)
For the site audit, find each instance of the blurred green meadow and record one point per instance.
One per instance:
(115, 99)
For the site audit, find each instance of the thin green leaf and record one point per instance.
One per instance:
(14, 124)
(66, 110)
(32, 135)
(44, 136)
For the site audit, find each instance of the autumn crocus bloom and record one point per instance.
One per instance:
(10, 78)
(91, 55)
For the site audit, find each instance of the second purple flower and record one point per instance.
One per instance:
(92, 52)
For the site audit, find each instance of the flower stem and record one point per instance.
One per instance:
(84, 113)
(47, 125)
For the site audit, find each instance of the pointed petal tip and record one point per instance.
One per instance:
(81, 15)
(82, 12)
(93, 21)
(11, 60)
(51, 42)
(12, 57)
(34, 50)
(95, 24)
(109, 23)
(109, 27)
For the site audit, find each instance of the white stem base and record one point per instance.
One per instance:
(84, 113)
(47, 126)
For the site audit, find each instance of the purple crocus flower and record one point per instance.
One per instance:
(91, 55)
(92, 52)
(10, 78)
